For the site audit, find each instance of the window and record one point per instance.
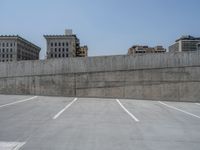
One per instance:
(10, 55)
(63, 49)
(7, 44)
(66, 55)
(55, 49)
(67, 44)
(59, 49)
(11, 50)
(51, 55)
(66, 49)
(59, 44)
(59, 55)
(198, 46)
(10, 44)
(63, 44)
(55, 44)
(55, 55)
(51, 44)
(3, 44)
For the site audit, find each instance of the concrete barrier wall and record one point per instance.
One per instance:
(170, 76)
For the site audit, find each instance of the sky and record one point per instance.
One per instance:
(108, 27)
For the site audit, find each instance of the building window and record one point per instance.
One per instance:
(198, 46)
(10, 55)
(63, 44)
(59, 56)
(51, 44)
(66, 49)
(67, 44)
(55, 44)
(59, 44)
(3, 44)
(63, 55)
(55, 55)
(66, 55)
(55, 49)
(63, 49)
(51, 55)
(7, 44)
(10, 44)
(11, 50)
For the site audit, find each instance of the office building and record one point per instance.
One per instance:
(16, 48)
(185, 43)
(63, 46)
(139, 49)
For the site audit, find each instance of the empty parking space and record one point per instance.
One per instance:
(98, 124)
(6, 99)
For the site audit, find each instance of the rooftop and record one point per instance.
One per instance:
(19, 38)
(188, 37)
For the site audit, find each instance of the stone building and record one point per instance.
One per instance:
(62, 46)
(138, 49)
(82, 52)
(185, 43)
(16, 48)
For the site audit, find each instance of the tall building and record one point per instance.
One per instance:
(136, 49)
(16, 48)
(82, 52)
(185, 43)
(62, 46)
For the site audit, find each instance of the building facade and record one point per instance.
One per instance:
(185, 43)
(16, 48)
(82, 52)
(138, 49)
(62, 46)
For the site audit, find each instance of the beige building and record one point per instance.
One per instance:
(82, 52)
(63, 46)
(16, 48)
(138, 49)
(185, 43)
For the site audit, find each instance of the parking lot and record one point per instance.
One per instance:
(62, 123)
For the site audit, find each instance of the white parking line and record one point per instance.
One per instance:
(172, 107)
(197, 104)
(11, 145)
(130, 114)
(60, 112)
(21, 101)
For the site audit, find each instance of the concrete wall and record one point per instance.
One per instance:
(170, 76)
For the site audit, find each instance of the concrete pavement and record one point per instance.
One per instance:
(97, 124)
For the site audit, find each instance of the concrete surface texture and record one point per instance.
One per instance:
(169, 76)
(97, 124)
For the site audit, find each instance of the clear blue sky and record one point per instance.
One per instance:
(108, 27)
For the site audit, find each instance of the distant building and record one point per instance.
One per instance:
(136, 49)
(16, 48)
(82, 52)
(185, 43)
(62, 46)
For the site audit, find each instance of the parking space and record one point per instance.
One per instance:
(50, 123)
